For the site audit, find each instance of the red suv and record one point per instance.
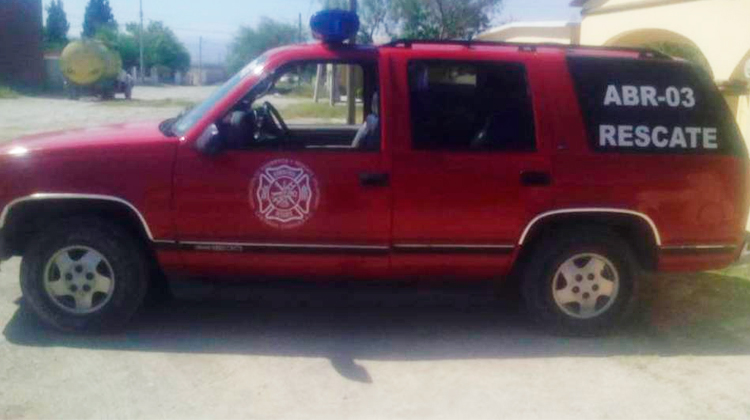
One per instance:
(571, 168)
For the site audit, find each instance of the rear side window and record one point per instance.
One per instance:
(470, 106)
(652, 107)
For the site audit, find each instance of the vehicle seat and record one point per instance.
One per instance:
(368, 135)
(240, 130)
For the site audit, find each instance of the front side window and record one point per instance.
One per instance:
(307, 107)
(185, 121)
(470, 106)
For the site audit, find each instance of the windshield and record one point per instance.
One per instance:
(183, 123)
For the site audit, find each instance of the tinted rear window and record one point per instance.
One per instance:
(637, 106)
(470, 106)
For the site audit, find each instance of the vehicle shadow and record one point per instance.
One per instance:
(693, 314)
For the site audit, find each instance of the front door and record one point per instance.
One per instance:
(298, 191)
(471, 171)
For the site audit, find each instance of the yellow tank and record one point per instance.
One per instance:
(87, 62)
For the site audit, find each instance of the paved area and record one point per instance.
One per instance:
(29, 115)
(363, 351)
(376, 351)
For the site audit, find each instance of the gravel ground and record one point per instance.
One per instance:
(368, 352)
(294, 350)
(29, 115)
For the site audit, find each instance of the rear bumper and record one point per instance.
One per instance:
(744, 256)
(694, 258)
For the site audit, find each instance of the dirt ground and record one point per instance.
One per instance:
(364, 351)
(29, 115)
(360, 351)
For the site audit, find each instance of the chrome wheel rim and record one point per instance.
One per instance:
(585, 285)
(79, 280)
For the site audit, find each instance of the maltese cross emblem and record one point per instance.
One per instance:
(284, 193)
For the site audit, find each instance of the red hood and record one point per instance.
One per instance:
(109, 136)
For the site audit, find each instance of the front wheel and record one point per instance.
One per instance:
(580, 282)
(84, 274)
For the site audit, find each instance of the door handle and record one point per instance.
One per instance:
(370, 179)
(535, 178)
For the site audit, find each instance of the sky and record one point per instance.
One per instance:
(216, 21)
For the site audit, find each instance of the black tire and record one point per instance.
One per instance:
(549, 255)
(122, 252)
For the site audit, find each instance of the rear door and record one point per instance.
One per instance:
(471, 166)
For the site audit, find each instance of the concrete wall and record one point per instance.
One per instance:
(534, 32)
(719, 28)
(21, 48)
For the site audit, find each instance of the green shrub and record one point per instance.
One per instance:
(8, 93)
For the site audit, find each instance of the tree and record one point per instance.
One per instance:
(129, 50)
(414, 19)
(250, 42)
(123, 43)
(335, 4)
(98, 14)
(56, 30)
(161, 47)
(373, 15)
(443, 19)
(421, 19)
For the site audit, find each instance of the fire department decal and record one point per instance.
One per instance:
(284, 193)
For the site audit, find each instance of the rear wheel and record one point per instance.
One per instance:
(84, 274)
(580, 282)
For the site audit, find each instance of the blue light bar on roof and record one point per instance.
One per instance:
(334, 25)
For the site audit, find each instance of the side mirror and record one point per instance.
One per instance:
(209, 142)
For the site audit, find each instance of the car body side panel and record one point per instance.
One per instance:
(448, 205)
(698, 203)
(694, 200)
(80, 162)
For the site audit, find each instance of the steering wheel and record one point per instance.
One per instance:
(279, 122)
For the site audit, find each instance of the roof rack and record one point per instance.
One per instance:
(526, 47)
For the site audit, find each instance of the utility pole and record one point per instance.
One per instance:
(299, 40)
(200, 61)
(350, 100)
(141, 39)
